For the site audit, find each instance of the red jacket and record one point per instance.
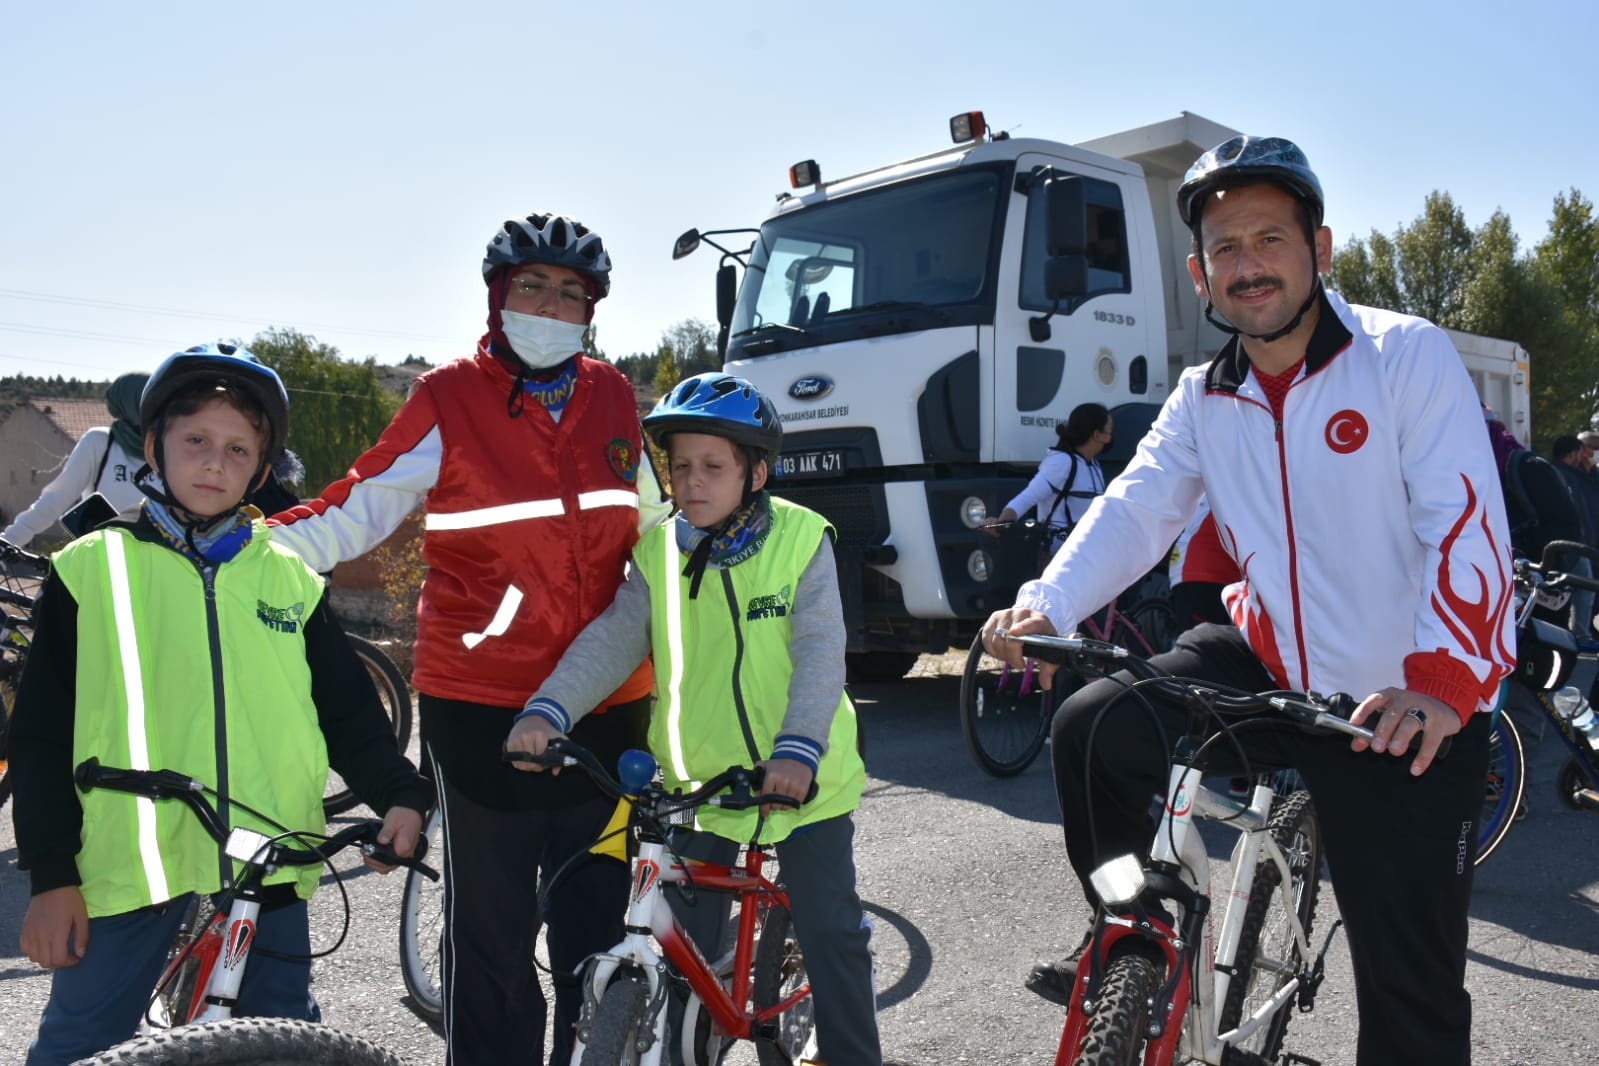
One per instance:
(528, 523)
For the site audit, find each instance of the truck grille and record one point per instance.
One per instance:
(854, 510)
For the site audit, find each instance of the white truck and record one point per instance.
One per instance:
(922, 326)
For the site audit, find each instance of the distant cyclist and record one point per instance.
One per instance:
(104, 460)
(1342, 452)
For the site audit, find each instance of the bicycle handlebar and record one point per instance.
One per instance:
(743, 783)
(1326, 714)
(1550, 574)
(169, 784)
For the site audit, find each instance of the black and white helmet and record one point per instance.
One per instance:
(553, 239)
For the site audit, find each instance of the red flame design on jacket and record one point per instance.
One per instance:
(1478, 623)
(1250, 617)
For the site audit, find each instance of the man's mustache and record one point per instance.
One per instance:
(1263, 282)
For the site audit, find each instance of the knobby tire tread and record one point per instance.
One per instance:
(613, 1038)
(1293, 817)
(247, 1042)
(1116, 1030)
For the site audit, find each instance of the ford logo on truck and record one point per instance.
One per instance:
(813, 387)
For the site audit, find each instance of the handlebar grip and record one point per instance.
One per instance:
(1557, 548)
(548, 758)
(154, 784)
(758, 782)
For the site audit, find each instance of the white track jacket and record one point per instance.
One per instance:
(1369, 525)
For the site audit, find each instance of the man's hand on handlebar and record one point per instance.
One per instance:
(785, 777)
(1018, 622)
(402, 828)
(532, 735)
(1397, 717)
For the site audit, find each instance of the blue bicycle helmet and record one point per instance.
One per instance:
(1242, 160)
(553, 239)
(220, 362)
(719, 405)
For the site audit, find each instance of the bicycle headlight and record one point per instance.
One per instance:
(1119, 881)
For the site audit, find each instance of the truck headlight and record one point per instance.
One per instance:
(974, 512)
(979, 566)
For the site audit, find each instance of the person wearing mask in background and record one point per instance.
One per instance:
(1069, 477)
(1567, 454)
(104, 460)
(528, 460)
(1590, 445)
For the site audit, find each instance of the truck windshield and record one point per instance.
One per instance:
(909, 256)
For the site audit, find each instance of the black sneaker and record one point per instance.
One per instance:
(1053, 980)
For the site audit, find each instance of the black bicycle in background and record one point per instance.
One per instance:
(22, 574)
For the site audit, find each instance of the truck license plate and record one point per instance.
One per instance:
(823, 462)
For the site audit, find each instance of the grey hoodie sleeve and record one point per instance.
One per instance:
(816, 646)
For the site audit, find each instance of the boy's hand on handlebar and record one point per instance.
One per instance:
(785, 777)
(55, 931)
(1397, 717)
(402, 828)
(1018, 622)
(532, 735)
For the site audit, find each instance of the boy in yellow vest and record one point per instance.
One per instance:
(729, 598)
(186, 640)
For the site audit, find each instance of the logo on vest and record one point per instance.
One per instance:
(623, 459)
(774, 606)
(280, 619)
(1347, 431)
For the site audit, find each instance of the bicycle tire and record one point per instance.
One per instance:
(177, 991)
(614, 1033)
(247, 1042)
(779, 972)
(421, 935)
(1268, 955)
(395, 694)
(1154, 623)
(1505, 788)
(8, 697)
(1004, 730)
(1116, 1030)
(1572, 779)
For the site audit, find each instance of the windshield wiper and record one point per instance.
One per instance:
(764, 326)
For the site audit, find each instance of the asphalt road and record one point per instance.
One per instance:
(967, 883)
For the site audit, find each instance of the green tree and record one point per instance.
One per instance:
(1564, 272)
(693, 344)
(338, 408)
(667, 371)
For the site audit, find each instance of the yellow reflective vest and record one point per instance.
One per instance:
(722, 669)
(199, 671)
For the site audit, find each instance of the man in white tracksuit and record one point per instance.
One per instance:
(1342, 452)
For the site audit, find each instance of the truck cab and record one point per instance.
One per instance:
(923, 326)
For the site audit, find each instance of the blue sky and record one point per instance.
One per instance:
(182, 172)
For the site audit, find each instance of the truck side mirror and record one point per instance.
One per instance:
(726, 295)
(686, 244)
(1066, 244)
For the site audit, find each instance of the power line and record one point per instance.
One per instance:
(111, 305)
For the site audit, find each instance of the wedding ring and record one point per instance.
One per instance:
(1419, 715)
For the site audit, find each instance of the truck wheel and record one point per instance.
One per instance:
(873, 666)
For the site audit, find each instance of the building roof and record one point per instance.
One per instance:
(72, 417)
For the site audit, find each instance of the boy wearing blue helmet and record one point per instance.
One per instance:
(185, 640)
(728, 599)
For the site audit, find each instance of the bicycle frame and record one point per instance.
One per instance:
(649, 914)
(1179, 846)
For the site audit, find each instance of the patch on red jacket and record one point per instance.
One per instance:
(623, 457)
(1347, 431)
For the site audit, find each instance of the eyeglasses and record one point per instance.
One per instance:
(534, 289)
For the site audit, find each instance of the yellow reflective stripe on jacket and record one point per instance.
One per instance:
(127, 654)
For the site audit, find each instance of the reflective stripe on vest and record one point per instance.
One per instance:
(517, 512)
(138, 743)
(674, 641)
